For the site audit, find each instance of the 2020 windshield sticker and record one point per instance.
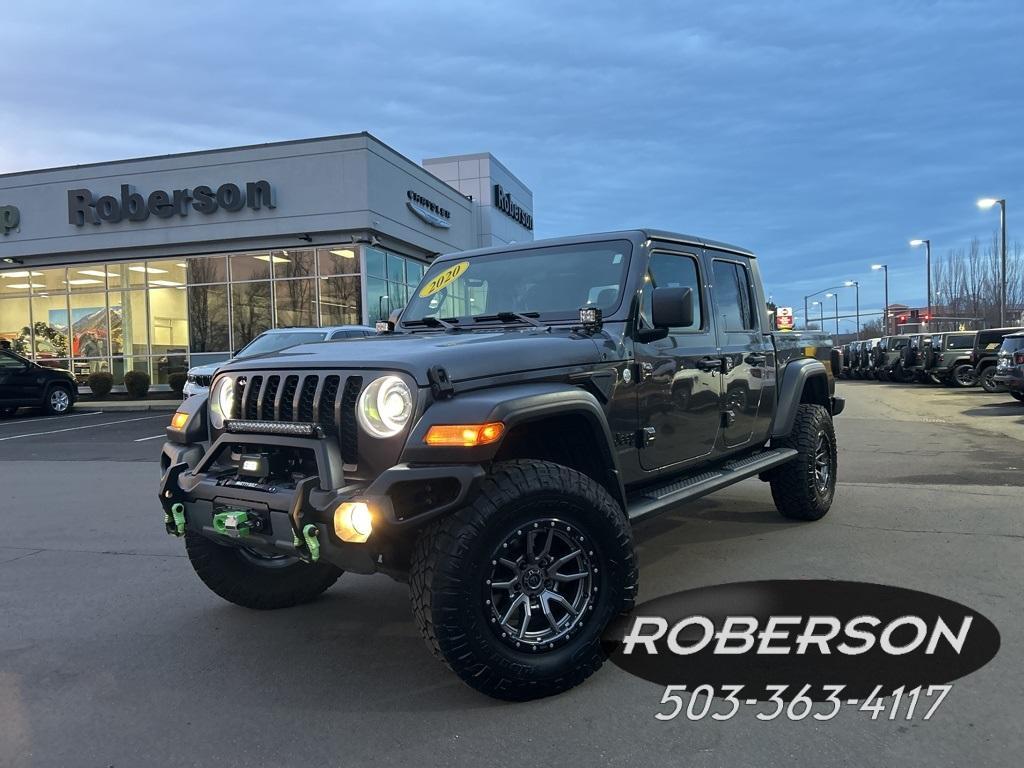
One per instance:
(443, 279)
(800, 648)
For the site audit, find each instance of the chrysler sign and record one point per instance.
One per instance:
(428, 211)
(86, 208)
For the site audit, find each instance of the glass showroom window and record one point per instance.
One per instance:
(168, 332)
(90, 332)
(208, 320)
(251, 312)
(296, 302)
(389, 280)
(340, 301)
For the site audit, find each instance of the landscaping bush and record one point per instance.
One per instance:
(176, 381)
(100, 382)
(136, 383)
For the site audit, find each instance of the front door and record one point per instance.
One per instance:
(14, 378)
(747, 354)
(678, 391)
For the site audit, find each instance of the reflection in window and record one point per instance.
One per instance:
(340, 301)
(732, 296)
(207, 269)
(293, 263)
(378, 303)
(208, 318)
(343, 260)
(296, 302)
(250, 311)
(374, 262)
(250, 266)
(396, 268)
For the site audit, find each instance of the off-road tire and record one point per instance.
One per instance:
(243, 580)
(987, 381)
(58, 400)
(1018, 396)
(957, 377)
(449, 571)
(795, 487)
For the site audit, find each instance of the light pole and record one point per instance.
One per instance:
(885, 314)
(928, 265)
(836, 297)
(821, 314)
(985, 203)
(856, 287)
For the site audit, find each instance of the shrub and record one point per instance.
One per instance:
(137, 384)
(100, 382)
(176, 381)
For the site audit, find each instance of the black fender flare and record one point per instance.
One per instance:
(791, 387)
(512, 405)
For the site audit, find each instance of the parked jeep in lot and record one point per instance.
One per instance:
(985, 355)
(494, 447)
(947, 359)
(889, 357)
(1010, 368)
(913, 356)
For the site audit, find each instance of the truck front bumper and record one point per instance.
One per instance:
(400, 500)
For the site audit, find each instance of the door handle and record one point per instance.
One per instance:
(756, 359)
(709, 363)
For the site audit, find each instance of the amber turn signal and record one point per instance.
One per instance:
(178, 420)
(466, 435)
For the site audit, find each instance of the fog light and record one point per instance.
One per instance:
(353, 522)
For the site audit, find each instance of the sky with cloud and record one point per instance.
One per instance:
(823, 135)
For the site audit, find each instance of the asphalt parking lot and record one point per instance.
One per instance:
(112, 653)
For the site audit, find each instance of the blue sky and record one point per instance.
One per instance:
(823, 135)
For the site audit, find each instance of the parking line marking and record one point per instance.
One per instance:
(33, 419)
(144, 439)
(87, 426)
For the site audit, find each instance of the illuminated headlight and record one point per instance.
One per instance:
(222, 401)
(385, 406)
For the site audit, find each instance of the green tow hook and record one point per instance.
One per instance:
(177, 517)
(309, 534)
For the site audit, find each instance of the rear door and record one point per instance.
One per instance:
(745, 349)
(16, 379)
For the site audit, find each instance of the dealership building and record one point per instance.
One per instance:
(158, 263)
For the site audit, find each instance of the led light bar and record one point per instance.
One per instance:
(291, 428)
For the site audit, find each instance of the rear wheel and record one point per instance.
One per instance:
(255, 580)
(963, 376)
(514, 590)
(803, 488)
(58, 400)
(987, 380)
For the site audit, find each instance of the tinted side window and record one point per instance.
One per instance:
(732, 296)
(10, 361)
(670, 270)
(959, 342)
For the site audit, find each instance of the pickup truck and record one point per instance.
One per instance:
(495, 443)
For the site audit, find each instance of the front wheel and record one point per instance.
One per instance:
(804, 487)
(963, 376)
(254, 580)
(514, 590)
(987, 379)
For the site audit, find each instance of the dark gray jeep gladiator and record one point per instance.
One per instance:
(493, 446)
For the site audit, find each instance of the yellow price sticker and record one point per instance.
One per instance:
(443, 279)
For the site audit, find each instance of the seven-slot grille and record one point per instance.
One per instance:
(201, 380)
(313, 398)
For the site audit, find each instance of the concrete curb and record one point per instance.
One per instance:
(129, 406)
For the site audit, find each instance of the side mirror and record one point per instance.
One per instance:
(672, 307)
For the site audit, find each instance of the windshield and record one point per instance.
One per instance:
(272, 342)
(550, 283)
(1012, 344)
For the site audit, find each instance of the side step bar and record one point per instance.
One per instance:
(651, 501)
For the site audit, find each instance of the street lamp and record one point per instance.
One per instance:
(928, 265)
(821, 314)
(885, 267)
(836, 297)
(985, 203)
(856, 286)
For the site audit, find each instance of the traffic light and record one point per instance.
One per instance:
(902, 318)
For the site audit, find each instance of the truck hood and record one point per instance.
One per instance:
(464, 354)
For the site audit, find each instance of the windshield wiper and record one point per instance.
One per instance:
(435, 322)
(511, 317)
